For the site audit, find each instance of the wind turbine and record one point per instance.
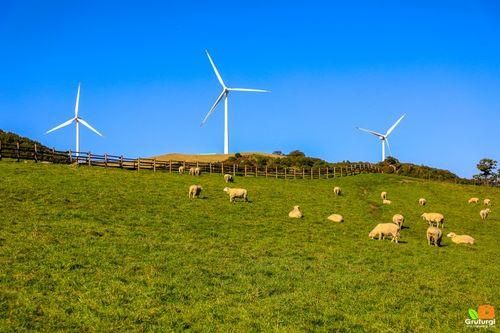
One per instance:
(224, 94)
(77, 119)
(383, 137)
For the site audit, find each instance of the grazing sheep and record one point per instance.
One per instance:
(336, 218)
(197, 171)
(295, 213)
(337, 190)
(195, 191)
(434, 236)
(487, 202)
(191, 171)
(434, 218)
(386, 202)
(228, 178)
(181, 170)
(473, 200)
(422, 201)
(461, 239)
(383, 195)
(236, 193)
(484, 213)
(398, 219)
(385, 229)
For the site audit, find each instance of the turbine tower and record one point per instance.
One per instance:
(224, 95)
(77, 119)
(383, 137)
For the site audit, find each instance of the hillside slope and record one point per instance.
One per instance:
(92, 249)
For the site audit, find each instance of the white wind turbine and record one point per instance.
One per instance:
(77, 119)
(383, 137)
(224, 94)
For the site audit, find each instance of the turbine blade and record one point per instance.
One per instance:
(394, 126)
(388, 146)
(371, 132)
(77, 101)
(248, 89)
(217, 101)
(86, 124)
(215, 70)
(66, 123)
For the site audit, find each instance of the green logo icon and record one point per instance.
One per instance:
(473, 314)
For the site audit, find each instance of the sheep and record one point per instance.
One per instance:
(191, 171)
(434, 236)
(484, 213)
(236, 193)
(228, 178)
(473, 200)
(398, 219)
(461, 239)
(336, 218)
(434, 218)
(487, 202)
(385, 229)
(194, 171)
(337, 190)
(195, 191)
(181, 170)
(295, 213)
(422, 202)
(383, 195)
(386, 202)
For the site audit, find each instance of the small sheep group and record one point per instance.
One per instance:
(486, 202)
(297, 214)
(195, 171)
(385, 201)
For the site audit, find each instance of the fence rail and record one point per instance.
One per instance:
(33, 152)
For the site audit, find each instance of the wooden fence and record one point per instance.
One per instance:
(20, 152)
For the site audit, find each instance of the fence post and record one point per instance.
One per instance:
(170, 166)
(17, 151)
(154, 165)
(121, 161)
(326, 172)
(245, 170)
(89, 158)
(266, 171)
(276, 172)
(311, 172)
(139, 164)
(222, 169)
(35, 155)
(106, 160)
(294, 173)
(285, 173)
(303, 173)
(234, 170)
(256, 171)
(0, 150)
(319, 172)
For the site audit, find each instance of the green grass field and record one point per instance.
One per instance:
(90, 249)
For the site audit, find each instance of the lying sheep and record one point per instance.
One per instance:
(181, 170)
(295, 213)
(336, 218)
(385, 229)
(461, 239)
(398, 219)
(484, 213)
(434, 236)
(434, 218)
(195, 191)
(337, 190)
(236, 193)
(228, 178)
(487, 202)
(473, 200)
(383, 195)
(422, 201)
(386, 202)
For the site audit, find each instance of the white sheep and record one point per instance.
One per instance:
(422, 201)
(434, 218)
(398, 219)
(197, 171)
(461, 239)
(336, 218)
(236, 193)
(181, 170)
(195, 191)
(385, 229)
(295, 213)
(228, 178)
(484, 213)
(386, 202)
(191, 171)
(337, 190)
(487, 202)
(383, 195)
(473, 200)
(434, 236)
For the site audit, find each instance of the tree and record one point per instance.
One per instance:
(278, 152)
(487, 169)
(296, 153)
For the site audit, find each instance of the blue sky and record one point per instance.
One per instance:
(331, 66)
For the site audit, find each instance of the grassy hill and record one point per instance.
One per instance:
(91, 249)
